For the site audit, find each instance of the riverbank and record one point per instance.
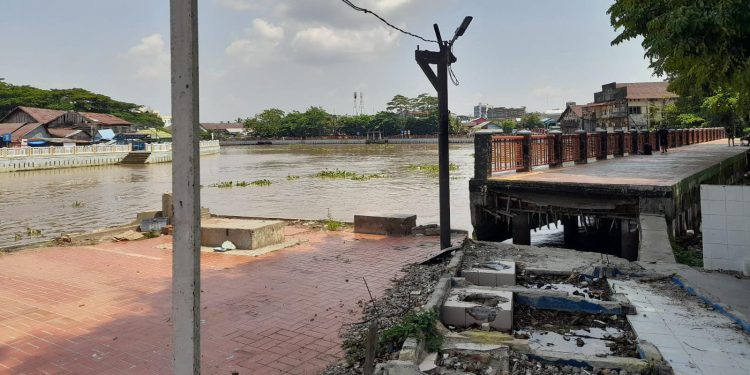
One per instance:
(347, 141)
(39, 158)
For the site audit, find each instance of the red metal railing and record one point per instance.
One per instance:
(628, 142)
(507, 153)
(541, 150)
(571, 150)
(594, 145)
(613, 144)
(641, 141)
(653, 140)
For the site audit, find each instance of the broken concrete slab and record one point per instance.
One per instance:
(489, 359)
(473, 306)
(385, 224)
(630, 365)
(491, 273)
(244, 234)
(397, 368)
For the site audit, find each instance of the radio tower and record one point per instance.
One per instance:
(361, 103)
(354, 107)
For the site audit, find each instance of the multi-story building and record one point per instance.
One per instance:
(503, 113)
(480, 110)
(627, 105)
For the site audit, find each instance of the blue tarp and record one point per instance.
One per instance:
(106, 134)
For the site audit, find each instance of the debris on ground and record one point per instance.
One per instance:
(129, 235)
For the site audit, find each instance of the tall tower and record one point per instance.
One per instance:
(361, 103)
(354, 107)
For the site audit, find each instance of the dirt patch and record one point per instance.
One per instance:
(408, 292)
(594, 289)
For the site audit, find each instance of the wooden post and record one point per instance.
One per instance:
(601, 153)
(557, 149)
(185, 188)
(371, 347)
(583, 147)
(526, 150)
(620, 136)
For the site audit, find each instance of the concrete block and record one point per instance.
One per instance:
(713, 207)
(397, 368)
(495, 273)
(245, 234)
(714, 221)
(466, 307)
(735, 237)
(733, 193)
(387, 224)
(717, 236)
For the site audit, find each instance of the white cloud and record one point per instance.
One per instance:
(150, 57)
(549, 91)
(322, 43)
(258, 45)
(388, 5)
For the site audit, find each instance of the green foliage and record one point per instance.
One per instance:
(683, 255)
(431, 168)
(32, 232)
(230, 184)
(508, 125)
(531, 121)
(421, 325)
(77, 204)
(347, 175)
(701, 46)
(262, 182)
(150, 234)
(17, 236)
(75, 99)
(292, 177)
(332, 224)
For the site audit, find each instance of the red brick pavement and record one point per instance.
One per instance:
(105, 309)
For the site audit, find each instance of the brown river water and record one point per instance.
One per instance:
(112, 195)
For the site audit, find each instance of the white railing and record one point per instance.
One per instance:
(62, 150)
(92, 149)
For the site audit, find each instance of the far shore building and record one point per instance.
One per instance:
(101, 121)
(505, 113)
(627, 105)
(22, 132)
(572, 118)
(224, 129)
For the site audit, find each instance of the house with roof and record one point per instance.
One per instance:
(20, 133)
(572, 118)
(104, 121)
(628, 105)
(232, 129)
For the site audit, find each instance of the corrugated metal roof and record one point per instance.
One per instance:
(222, 126)
(18, 130)
(104, 118)
(41, 115)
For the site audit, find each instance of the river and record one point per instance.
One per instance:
(83, 199)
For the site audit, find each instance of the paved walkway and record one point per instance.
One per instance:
(105, 309)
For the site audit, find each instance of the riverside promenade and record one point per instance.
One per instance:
(105, 308)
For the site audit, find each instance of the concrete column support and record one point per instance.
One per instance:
(557, 149)
(628, 240)
(526, 150)
(570, 230)
(583, 147)
(483, 154)
(621, 143)
(521, 231)
(601, 153)
(185, 188)
(633, 142)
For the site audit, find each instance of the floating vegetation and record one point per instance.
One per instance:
(347, 175)
(31, 232)
(77, 204)
(230, 184)
(292, 177)
(18, 237)
(331, 223)
(431, 168)
(151, 234)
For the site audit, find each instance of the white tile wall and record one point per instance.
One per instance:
(725, 214)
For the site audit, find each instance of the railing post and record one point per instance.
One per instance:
(483, 154)
(647, 139)
(583, 147)
(557, 149)
(601, 153)
(633, 142)
(620, 138)
(525, 150)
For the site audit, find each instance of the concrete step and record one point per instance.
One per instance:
(136, 157)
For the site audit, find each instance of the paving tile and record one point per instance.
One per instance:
(87, 311)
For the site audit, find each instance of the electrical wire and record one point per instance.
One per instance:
(359, 9)
(451, 74)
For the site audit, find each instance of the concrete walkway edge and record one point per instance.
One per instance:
(736, 317)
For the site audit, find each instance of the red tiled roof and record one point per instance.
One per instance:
(104, 118)
(577, 109)
(648, 90)
(222, 126)
(17, 130)
(41, 115)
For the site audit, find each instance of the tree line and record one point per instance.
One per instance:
(76, 99)
(416, 115)
(702, 48)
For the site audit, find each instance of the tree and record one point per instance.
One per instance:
(722, 109)
(426, 103)
(267, 124)
(399, 104)
(700, 46)
(355, 125)
(531, 121)
(508, 125)
(387, 122)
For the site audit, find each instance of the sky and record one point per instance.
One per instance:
(293, 54)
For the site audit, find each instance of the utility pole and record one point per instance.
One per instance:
(442, 59)
(185, 188)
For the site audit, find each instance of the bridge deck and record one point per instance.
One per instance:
(637, 172)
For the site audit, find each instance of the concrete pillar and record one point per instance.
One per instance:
(526, 150)
(557, 149)
(521, 231)
(620, 136)
(483, 154)
(601, 153)
(634, 142)
(628, 241)
(570, 230)
(583, 147)
(186, 188)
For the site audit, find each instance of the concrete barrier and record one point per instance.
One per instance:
(386, 224)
